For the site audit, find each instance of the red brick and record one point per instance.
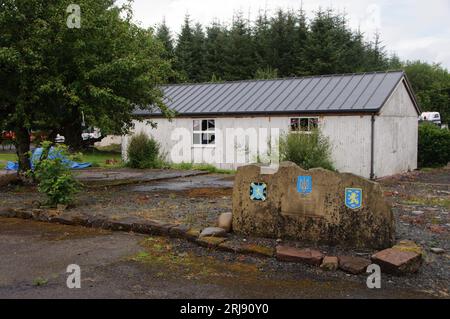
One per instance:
(353, 265)
(395, 261)
(306, 255)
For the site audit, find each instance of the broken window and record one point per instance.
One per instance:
(304, 124)
(204, 132)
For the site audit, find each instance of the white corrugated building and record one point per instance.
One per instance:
(371, 120)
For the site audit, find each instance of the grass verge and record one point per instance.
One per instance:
(201, 167)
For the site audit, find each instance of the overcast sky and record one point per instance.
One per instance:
(414, 29)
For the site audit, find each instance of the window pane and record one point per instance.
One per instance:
(204, 125)
(211, 125)
(294, 124)
(204, 138)
(197, 139)
(211, 138)
(313, 123)
(196, 125)
(304, 124)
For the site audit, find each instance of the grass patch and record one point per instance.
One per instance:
(160, 253)
(100, 158)
(201, 167)
(5, 157)
(113, 148)
(38, 282)
(434, 201)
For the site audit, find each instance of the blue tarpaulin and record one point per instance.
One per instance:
(52, 154)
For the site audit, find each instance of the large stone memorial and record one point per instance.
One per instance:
(317, 206)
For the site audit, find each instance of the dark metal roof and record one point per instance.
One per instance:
(366, 92)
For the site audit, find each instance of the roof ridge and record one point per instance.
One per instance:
(366, 91)
(286, 78)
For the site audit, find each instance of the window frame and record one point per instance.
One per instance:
(200, 132)
(299, 118)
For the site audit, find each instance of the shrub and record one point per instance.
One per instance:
(434, 145)
(308, 150)
(54, 176)
(144, 152)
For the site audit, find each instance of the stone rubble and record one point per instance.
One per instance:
(213, 232)
(304, 255)
(397, 262)
(225, 221)
(330, 263)
(353, 265)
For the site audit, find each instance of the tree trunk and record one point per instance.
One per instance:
(22, 149)
(72, 135)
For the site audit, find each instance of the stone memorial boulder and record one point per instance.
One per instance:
(317, 206)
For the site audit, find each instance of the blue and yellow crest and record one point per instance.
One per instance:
(353, 198)
(258, 191)
(304, 184)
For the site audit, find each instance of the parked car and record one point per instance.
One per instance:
(434, 117)
(91, 134)
(60, 139)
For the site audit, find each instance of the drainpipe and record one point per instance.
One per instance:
(372, 147)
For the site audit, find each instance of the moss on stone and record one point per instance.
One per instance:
(258, 250)
(410, 246)
(210, 242)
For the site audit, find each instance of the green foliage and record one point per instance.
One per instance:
(201, 167)
(287, 42)
(163, 34)
(306, 149)
(144, 152)
(54, 177)
(183, 166)
(431, 83)
(39, 281)
(190, 52)
(266, 74)
(434, 145)
(52, 75)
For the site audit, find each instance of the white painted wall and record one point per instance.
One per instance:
(396, 135)
(350, 142)
(350, 138)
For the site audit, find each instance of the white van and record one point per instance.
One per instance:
(434, 117)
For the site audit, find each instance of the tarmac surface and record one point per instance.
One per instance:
(34, 257)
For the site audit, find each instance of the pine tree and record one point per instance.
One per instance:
(286, 43)
(282, 55)
(300, 42)
(216, 43)
(240, 62)
(198, 55)
(184, 63)
(321, 52)
(394, 62)
(164, 35)
(261, 35)
(266, 74)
